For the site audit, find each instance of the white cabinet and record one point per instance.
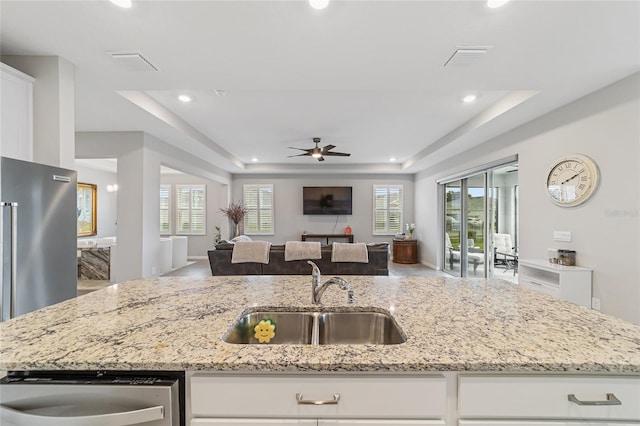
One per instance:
(519, 400)
(570, 283)
(16, 114)
(331, 399)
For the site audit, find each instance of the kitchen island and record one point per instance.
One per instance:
(451, 326)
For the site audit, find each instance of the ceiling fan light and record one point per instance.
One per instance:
(318, 4)
(316, 155)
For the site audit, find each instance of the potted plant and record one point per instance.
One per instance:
(235, 212)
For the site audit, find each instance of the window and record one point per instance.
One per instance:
(191, 209)
(258, 200)
(387, 209)
(165, 206)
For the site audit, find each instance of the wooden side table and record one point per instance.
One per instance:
(405, 251)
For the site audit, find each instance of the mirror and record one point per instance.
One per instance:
(87, 206)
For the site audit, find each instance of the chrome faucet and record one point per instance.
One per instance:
(318, 289)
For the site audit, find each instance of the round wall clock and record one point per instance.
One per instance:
(572, 180)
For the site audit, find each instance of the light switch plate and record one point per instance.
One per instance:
(562, 236)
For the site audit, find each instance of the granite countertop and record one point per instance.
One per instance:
(450, 324)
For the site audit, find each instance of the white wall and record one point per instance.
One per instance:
(290, 222)
(107, 201)
(606, 229)
(506, 204)
(216, 193)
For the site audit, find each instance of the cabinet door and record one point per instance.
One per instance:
(253, 422)
(282, 396)
(16, 127)
(518, 397)
(381, 423)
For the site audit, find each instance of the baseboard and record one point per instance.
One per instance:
(197, 257)
(429, 265)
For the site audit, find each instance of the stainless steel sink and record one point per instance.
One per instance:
(319, 328)
(358, 328)
(292, 328)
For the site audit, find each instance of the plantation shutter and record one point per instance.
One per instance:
(387, 209)
(165, 206)
(258, 200)
(191, 212)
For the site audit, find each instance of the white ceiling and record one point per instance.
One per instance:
(366, 76)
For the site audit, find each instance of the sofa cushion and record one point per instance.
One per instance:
(220, 262)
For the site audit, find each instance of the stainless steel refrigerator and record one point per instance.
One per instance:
(39, 233)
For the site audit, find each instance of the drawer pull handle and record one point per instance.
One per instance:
(611, 400)
(302, 401)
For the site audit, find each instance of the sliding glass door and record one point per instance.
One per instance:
(452, 226)
(476, 220)
(477, 208)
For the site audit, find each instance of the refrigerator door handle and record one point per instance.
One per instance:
(123, 418)
(13, 258)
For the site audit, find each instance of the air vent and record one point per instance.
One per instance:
(466, 56)
(132, 61)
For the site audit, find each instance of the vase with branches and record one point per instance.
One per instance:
(235, 212)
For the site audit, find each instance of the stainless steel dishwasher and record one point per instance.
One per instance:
(92, 399)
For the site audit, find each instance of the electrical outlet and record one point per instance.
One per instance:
(595, 303)
(562, 236)
(154, 271)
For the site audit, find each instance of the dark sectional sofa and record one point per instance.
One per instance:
(220, 262)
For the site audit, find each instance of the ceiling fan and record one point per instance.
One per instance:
(319, 153)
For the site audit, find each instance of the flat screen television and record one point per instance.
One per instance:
(335, 200)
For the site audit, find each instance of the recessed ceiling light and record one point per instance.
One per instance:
(221, 92)
(318, 4)
(392, 159)
(122, 3)
(184, 98)
(469, 98)
(254, 159)
(496, 3)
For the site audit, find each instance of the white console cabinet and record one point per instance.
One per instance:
(323, 400)
(570, 283)
(16, 110)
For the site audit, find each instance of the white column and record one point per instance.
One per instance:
(138, 213)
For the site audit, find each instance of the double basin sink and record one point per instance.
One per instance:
(318, 328)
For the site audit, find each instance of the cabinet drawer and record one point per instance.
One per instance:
(277, 396)
(538, 285)
(253, 422)
(381, 423)
(521, 397)
(540, 423)
(314, 422)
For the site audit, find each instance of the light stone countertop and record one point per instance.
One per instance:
(451, 325)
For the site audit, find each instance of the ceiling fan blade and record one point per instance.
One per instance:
(302, 149)
(337, 154)
(320, 158)
(327, 148)
(300, 155)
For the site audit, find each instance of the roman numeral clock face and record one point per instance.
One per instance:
(572, 180)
